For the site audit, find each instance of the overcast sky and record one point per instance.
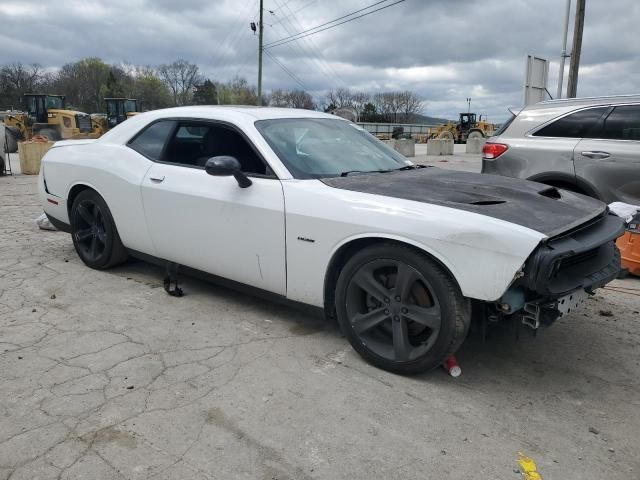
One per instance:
(445, 50)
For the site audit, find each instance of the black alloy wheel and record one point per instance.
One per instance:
(90, 234)
(400, 310)
(94, 233)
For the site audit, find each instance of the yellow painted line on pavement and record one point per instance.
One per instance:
(528, 468)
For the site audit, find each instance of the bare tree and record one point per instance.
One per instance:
(291, 99)
(181, 77)
(409, 104)
(340, 97)
(238, 92)
(17, 79)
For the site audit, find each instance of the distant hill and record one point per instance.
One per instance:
(426, 120)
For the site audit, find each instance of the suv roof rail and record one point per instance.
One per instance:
(602, 98)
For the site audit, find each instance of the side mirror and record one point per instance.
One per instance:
(226, 166)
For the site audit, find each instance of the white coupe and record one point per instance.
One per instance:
(314, 209)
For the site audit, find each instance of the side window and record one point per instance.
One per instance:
(622, 124)
(575, 125)
(195, 143)
(150, 142)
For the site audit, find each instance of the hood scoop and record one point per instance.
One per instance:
(551, 192)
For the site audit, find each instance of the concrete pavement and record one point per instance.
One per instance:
(104, 376)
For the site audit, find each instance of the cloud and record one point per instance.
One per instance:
(446, 50)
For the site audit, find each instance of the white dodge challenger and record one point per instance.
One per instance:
(312, 208)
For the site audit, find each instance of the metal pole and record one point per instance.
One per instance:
(572, 84)
(563, 55)
(260, 48)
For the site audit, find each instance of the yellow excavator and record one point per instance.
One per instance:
(46, 115)
(467, 127)
(118, 110)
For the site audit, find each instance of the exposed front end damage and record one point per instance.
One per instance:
(561, 273)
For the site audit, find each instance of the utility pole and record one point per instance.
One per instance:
(572, 87)
(563, 54)
(260, 48)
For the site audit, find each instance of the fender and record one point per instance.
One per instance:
(558, 177)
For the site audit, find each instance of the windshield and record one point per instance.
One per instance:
(55, 102)
(130, 106)
(323, 147)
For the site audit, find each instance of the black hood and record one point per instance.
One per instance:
(533, 205)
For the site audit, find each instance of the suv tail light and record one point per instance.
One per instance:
(491, 151)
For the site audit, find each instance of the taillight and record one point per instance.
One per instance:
(67, 122)
(491, 151)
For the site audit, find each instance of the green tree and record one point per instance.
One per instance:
(205, 94)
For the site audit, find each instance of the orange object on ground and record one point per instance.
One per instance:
(629, 245)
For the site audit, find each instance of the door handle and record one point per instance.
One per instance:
(157, 179)
(596, 154)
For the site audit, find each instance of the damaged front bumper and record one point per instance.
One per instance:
(563, 270)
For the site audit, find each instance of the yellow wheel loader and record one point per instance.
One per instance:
(47, 116)
(118, 110)
(467, 127)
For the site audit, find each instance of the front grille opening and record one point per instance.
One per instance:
(578, 258)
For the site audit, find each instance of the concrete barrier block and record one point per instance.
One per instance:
(474, 145)
(440, 146)
(406, 147)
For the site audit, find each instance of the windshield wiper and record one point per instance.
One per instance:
(411, 167)
(349, 172)
(406, 167)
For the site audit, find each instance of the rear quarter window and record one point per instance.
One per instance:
(151, 141)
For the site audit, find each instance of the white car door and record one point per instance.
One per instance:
(209, 223)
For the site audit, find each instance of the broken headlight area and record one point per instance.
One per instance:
(561, 273)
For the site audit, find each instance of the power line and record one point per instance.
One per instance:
(285, 69)
(298, 10)
(307, 56)
(314, 48)
(318, 29)
(332, 21)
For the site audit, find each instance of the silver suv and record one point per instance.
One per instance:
(587, 145)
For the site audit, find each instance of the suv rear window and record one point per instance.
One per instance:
(575, 125)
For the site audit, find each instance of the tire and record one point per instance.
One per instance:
(475, 134)
(94, 233)
(413, 329)
(51, 133)
(447, 135)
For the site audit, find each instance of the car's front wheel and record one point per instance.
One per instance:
(400, 310)
(94, 232)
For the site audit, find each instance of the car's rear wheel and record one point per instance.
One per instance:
(400, 310)
(94, 232)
